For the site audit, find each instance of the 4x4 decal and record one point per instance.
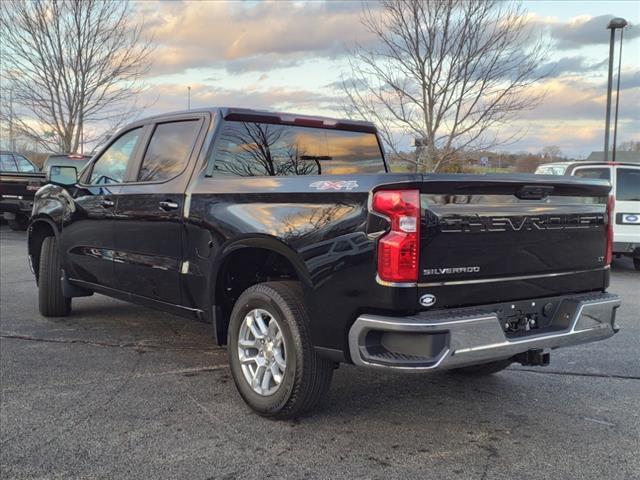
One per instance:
(334, 185)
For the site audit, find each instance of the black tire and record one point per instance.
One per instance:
(307, 376)
(636, 263)
(483, 369)
(19, 224)
(50, 299)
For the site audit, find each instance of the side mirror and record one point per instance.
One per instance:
(63, 175)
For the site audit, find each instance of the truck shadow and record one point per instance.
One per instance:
(440, 401)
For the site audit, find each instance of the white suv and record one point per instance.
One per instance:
(625, 182)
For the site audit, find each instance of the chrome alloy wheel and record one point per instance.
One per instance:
(262, 352)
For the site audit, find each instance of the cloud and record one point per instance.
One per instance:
(172, 97)
(575, 99)
(243, 36)
(628, 80)
(577, 64)
(230, 38)
(572, 115)
(349, 81)
(584, 31)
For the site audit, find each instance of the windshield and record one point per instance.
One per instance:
(551, 170)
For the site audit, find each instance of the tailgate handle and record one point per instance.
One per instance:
(534, 192)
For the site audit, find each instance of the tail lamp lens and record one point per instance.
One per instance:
(608, 256)
(399, 249)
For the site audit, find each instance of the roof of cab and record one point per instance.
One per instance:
(585, 163)
(265, 116)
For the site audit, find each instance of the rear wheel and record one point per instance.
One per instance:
(484, 369)
(636, 263)
(273, 362)
(50, 299)
(19, 223)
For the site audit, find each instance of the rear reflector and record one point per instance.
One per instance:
(399, 249)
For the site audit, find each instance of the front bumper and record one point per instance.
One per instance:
(463, 337)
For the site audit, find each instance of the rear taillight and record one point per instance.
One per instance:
(399, 249)
(608, 256)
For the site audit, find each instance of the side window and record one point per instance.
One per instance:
(601, 173)
(7, 164)
(24, 165)
(628, 185)
(168, 150)
(112, 164)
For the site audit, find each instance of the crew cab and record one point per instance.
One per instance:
(19, 181)
(625, 189)
(291, 237)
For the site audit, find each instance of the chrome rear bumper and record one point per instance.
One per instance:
(458, 338)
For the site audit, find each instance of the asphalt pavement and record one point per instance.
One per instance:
(120, 391)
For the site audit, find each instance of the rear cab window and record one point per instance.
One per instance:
(248, 149)
(603, 173)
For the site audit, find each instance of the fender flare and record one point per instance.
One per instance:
(31, 250)
(42, 218)
(266, 242)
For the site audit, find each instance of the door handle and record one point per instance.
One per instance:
(167, 205)
(108, 203)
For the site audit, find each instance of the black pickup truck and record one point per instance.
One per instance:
(290, 236)
(19, 181)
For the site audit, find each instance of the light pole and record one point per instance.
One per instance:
(614, 24)
(189, 98)
(12, 143)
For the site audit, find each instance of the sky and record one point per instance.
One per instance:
(290, 56)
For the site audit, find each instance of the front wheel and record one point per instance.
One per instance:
(51, 302)
(273, 362)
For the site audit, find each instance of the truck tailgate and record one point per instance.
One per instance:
(493, 238)
(21, 184)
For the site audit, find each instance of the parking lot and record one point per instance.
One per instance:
(120, 391)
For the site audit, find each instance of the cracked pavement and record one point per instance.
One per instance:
(121, 391)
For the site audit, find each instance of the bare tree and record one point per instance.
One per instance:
(552, 152)
(71, 65)
(630, 146)
(445, 73)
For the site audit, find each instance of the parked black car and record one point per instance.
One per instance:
(19, 180)
(288, 234)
